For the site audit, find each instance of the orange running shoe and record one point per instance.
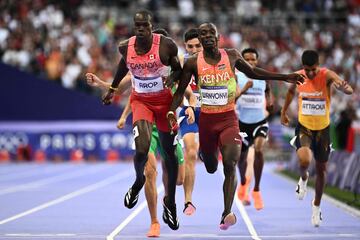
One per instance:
(246, 201)
(241, 192)
(258, 202)
(154, 230)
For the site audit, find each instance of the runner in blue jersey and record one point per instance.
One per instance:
(189, 131)
(252, 109)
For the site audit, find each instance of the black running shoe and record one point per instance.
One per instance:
(131, 198)
(170, 216)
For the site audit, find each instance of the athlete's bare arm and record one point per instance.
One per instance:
(190, 96)
(122, 70)
(289, 96)
(187, 72)
(240, 92)
(268, 98)
(122, 120)
(239, 63)
(95, 81)
(338, 82)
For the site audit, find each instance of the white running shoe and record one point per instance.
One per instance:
(301, 188)
(316, 217)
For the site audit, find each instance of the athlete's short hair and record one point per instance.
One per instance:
(250, 50)
(191, 34)
(309, 58)
(161, 31)
(145, 13)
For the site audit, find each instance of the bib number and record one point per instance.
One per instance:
(251, 101)
(313, 107)
(148, 85)
(216, 95)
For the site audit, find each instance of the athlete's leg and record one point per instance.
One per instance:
(181, 172)
(320, 181)
(321, 155)
(171, 163)
(230, 153)
(259, 143)
(150, 187)
(142, 136)
(191, 149)
(242, 164)
(210, 160)
(304, 155)
(150, 184)
(164, 177)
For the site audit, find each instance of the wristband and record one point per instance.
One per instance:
(112, 88)
(168, 113)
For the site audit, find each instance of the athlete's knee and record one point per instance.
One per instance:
(211, 165)
(150, 172)
(258, 148)
(305, 156)
(229, 167)
(191, 155)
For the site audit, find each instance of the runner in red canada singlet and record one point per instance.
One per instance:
(148, 56)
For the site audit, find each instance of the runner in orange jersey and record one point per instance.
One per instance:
(312, 138)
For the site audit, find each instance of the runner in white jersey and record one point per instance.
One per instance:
(251, 110)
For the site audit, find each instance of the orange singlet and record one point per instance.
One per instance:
(218, 124)
(314, 101)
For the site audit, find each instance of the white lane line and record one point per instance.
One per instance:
(246, 219)
(71, 195)
(218, 236)
(50, 180)
(136, 212)
(242, 211)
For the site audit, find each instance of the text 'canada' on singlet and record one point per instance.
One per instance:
(147, 70)
(217, 84)
(251, 106)
(314, 101)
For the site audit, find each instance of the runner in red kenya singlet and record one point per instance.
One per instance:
(213, 69)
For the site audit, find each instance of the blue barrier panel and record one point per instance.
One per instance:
(24, 97)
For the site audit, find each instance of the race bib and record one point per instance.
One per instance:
(148, 85)
(214, 95)
(251, 101)
(314, 107)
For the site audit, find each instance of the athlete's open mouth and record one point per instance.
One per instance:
(209, 42)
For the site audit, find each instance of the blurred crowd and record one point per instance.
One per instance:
(61, 40)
